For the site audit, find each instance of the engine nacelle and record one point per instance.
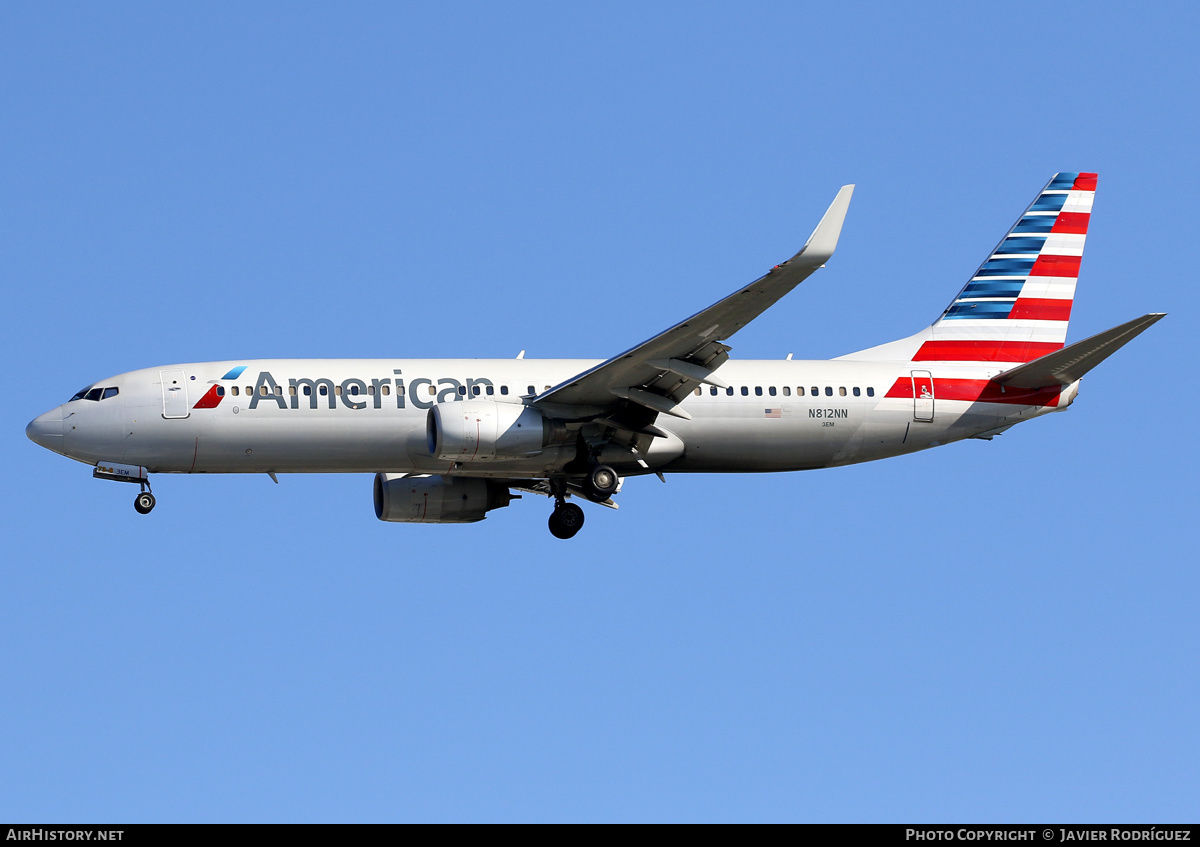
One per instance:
(483, 430)
(436, 499)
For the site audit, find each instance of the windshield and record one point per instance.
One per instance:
(95, 393)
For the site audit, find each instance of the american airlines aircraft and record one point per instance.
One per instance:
(451, 439)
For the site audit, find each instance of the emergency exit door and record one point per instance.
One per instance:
(922, 384)
(175, 396)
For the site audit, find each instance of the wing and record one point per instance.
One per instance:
(657, 374)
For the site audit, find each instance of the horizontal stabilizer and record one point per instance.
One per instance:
(1064, 366)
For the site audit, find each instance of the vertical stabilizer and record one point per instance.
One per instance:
(1017, 305)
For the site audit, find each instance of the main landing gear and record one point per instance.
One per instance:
(601, 483)
(598, 486)
(144, 502)
(567, 518)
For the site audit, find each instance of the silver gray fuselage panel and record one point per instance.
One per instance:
(369, 415)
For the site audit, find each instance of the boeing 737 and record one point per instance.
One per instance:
(449, 440)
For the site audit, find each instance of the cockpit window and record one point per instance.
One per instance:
(95, 393)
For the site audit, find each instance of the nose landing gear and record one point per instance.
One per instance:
(116, 472)
(143, 503)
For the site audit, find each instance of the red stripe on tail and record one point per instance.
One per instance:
(1072, 223)
(1056, 266)
(1033, 309)
(984, 351)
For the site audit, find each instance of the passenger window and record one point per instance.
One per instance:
(354, 389)
(547, 388)
(262, 391)
(337, 389)
(698, 391)
(385, 390)
(787, 391)
(234, 391)
(462, 391)
(857, 391)
(249, 390)
(531, 390)
(829, 391)
(816, 390)
(745, 391)
(433, 391)
(503, 390)
(870, 392)
(324, 390)
(292, 390)
(308, 390)
(370, 390)
(771, 391)
(729, 391)
(799, 390)
(842, 391)
(758, 391)
(491, 390)
(713, 391)
(220, 391)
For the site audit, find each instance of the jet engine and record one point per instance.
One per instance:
(482, 430)
(437, 499)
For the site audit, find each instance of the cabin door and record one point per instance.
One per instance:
(175, 396)
(922, 383)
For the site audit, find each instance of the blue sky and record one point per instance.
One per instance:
(999, 631)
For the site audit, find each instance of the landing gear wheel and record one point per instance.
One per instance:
(143, 503)
(603, 482)
(566, 520)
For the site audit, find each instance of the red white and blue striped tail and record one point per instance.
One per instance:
(1016, 307)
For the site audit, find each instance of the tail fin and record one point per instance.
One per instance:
(1016, 306)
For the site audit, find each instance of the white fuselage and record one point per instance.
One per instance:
(369, 415)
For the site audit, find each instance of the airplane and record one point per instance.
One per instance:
(450, 440)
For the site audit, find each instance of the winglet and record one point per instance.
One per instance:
(823, 241)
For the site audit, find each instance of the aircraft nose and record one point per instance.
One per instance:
(47, 430)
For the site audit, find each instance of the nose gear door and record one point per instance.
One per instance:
(174, 389)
